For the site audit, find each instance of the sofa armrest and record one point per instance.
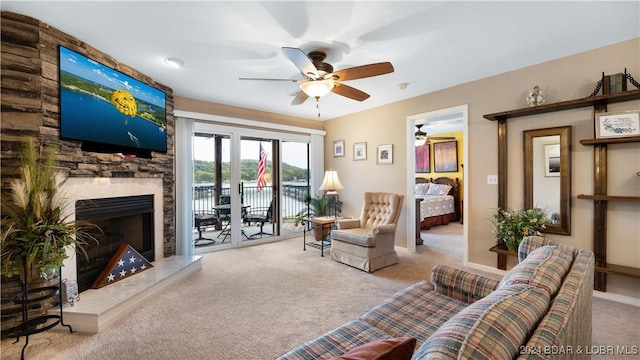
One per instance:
(348, 224)
(383, 229)
(461, 285)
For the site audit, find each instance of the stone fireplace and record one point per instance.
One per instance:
(122, 207)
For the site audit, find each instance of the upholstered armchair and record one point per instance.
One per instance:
(367, 243)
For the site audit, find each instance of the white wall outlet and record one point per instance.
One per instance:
(492, 179)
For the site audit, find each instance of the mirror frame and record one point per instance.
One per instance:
(565, 174)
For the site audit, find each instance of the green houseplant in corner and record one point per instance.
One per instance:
(36, 231)
(510, 226)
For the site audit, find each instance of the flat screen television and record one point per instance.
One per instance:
(108, 110)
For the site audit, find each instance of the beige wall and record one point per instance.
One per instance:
(562, 79)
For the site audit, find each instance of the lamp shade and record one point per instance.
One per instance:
(331, 182)
(317, 88)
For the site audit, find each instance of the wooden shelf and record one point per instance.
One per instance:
(619, 140)
(609, 197)
(502, 250)
(566, 105)
(619, 270)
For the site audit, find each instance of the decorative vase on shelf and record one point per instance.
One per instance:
(535, 97)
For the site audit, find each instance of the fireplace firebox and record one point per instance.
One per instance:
(123, 220)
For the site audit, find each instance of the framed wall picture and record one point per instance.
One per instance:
(552, 160)
(385, 154)
(338, 148)
(617, 124)
(445, 156)
(423, 158)
(360, 151)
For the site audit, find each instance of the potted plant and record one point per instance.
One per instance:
(510, 226)
(319, 206)
(35, 231)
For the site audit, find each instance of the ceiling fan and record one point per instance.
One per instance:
(422, 137)
(320, 79)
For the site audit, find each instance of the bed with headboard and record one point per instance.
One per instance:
(439, 201)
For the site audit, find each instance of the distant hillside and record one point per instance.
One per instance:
(248, 171)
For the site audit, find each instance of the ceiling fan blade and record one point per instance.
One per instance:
(300, 98)
(359, 72)
(301, 61)
(267, 79)
(350, 92)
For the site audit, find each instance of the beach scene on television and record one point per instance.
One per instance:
(102, 105)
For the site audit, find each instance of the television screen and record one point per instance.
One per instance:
(103, 106)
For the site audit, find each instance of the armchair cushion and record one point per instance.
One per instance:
(357, 236)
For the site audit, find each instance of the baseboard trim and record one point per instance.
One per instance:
(485, 268)
(623, 299)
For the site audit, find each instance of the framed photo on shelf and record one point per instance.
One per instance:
(552, 160)
(423, 158)
(445, 156)
(360, 151)
(617, 124)
(338, 148)
(385, 154)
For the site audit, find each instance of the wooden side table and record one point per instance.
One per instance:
(502, 252)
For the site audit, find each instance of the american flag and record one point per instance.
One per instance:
(262, 168)
(126, 262)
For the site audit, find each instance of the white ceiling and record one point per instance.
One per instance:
(432, 45)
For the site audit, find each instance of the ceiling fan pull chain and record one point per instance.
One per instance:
(318, 105)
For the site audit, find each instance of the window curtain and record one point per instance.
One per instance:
(184, 179)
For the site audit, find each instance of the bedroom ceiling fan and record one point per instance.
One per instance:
(320, 79)
(422, 137)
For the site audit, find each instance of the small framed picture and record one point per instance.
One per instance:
(338, 148)
(552, 160)
(385, 154)
(360, 151)
(618, 124)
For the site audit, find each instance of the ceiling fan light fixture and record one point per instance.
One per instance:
(420, 136)
(318, 88)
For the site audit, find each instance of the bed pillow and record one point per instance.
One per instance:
(438, 189)
(421, 189)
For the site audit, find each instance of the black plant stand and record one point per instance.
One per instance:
(24, 299)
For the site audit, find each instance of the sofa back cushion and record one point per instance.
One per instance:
(491, 328)
(544, 267)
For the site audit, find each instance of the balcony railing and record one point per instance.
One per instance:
(291, 203)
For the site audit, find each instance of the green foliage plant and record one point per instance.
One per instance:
(510, 226)
(35, 230)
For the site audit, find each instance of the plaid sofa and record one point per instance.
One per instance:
(541, 309)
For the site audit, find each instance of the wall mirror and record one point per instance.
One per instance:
(547, 175)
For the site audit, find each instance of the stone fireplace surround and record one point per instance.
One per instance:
(30, 107)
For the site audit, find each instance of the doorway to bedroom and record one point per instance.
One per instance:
(436, 154)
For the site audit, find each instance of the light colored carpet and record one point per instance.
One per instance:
(260, 301)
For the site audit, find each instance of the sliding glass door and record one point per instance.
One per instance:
(248, 185)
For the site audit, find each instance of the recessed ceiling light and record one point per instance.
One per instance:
(174, 62)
